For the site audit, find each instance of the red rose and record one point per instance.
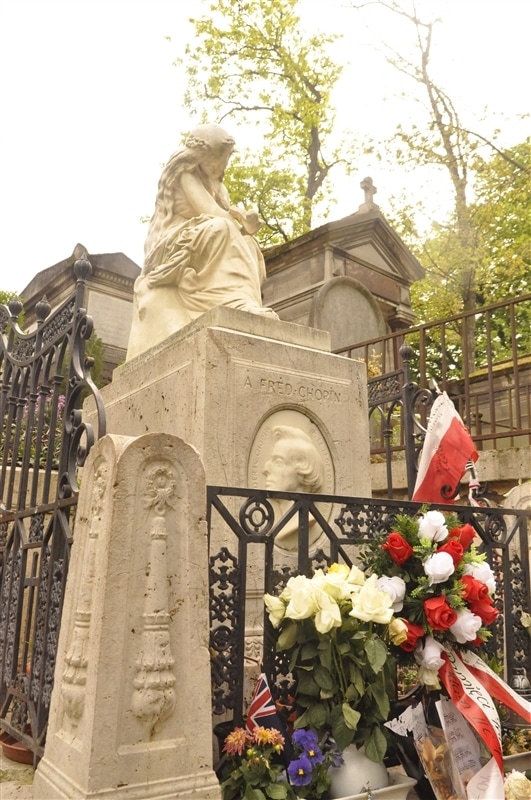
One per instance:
(474, 590)
(465, 535)
(454, 549)
(439, 615)
(397, 547)
(485, 610)
(414, 633)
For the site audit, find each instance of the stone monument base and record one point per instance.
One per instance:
(226, 380)
(130, 717)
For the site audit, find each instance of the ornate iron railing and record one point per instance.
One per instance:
(44, 377)
(245, 561)
(490, 384)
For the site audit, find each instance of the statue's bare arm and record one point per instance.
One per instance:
(201, 201)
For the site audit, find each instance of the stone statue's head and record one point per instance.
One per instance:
(294, 465)
(211, 139)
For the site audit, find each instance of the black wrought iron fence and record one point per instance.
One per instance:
(246, 560)
(44, 376)
(481, 358)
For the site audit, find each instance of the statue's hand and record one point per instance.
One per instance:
(249, 220)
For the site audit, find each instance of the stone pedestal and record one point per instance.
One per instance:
(131, 710)
(226, 380)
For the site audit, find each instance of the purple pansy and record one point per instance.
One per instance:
(300, 771)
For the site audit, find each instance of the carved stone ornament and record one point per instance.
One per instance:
(154, 695)
(73, 689)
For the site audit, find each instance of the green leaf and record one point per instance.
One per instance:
(342, 735)
(288, 636)
(308, 651)
(253, 794)
(277, 791)
(307, 685)
(376, 654)
(313, 717)
(381, 699)
(376, 745)
(351, 716)
(356, 678)
(323, 678)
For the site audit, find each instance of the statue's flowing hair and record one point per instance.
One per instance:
(205, 140)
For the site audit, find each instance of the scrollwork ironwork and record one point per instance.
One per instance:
(44, 379)
(355, 522)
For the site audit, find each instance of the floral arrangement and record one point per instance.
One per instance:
(335, 628)
(255, 767)
(441, 587)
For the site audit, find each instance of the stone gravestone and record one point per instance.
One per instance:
(131, 711)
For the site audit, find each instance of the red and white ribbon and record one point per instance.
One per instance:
(472, 685)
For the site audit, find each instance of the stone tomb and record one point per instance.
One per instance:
(226, 380)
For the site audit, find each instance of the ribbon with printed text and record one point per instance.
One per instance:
(473, 686)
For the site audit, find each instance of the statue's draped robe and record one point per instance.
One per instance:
(192, 263)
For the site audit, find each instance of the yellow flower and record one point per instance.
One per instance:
(397, 631)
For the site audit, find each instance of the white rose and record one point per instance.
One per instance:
(439, 567)
(432, 526)
(517, 786)
(395, 587)
(328, 614)
(299, 593)
(429, 654)
(429, 677)
(275, 608)
(372, 605)
(466, 627)
(333, 583)
(482, 572)
(356, 576)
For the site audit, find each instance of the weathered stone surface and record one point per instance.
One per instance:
(199, 250)
(131, 710)
(224, 381)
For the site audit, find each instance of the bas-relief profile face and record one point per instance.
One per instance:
(294, 464)
(287, 458)
(280, 471)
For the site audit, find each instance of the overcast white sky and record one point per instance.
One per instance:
(91, 107)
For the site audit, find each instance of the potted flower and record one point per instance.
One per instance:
(336, 628)
(255, 767)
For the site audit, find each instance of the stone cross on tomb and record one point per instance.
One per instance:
(369, 190)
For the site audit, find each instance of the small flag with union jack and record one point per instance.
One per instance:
(263, 712)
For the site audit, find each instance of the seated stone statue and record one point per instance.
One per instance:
(199, 251)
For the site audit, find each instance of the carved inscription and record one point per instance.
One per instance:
(293, 390)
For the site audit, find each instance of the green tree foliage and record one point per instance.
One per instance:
(251, 63)
(462, 256)
(6, 297)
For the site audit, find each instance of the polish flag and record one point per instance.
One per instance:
(447, 448)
